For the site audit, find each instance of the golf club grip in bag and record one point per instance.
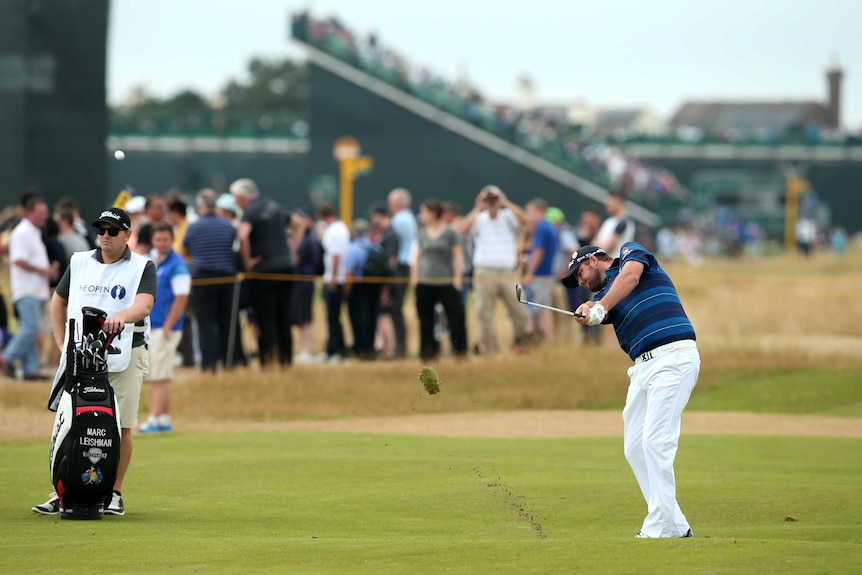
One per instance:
(85, 446)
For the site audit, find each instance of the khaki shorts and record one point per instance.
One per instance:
(163, 354)
(542, 289)
(127, 386)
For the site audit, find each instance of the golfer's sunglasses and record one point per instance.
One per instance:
(113, 232)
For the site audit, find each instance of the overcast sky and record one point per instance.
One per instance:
(607, 53)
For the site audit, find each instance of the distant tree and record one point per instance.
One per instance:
(186, 102)
(271, 99)
(274, 86)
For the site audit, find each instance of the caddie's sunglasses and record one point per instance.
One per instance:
(113, 232)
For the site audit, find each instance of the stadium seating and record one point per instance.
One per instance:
(546, 134)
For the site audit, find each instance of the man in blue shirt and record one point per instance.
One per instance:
(166, 325)
(209, 245)
(404, 224)
(540, 275)
(637, 296)
(363, 298)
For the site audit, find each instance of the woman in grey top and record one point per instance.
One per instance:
(437, 276)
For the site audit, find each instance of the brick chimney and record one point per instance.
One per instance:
(834, 78)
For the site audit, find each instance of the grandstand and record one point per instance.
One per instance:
(366, 90)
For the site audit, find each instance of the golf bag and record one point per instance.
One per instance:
(85, 446)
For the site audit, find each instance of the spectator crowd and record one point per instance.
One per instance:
(547, 133)
(239, 275)
(366, 267)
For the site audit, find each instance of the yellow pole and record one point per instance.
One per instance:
(349, 169)
(345, 198)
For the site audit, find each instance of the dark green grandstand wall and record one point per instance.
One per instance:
(841, 187)
(53, 116)
(415, 153)
(839, 184)
(279, 176)
(13, 36)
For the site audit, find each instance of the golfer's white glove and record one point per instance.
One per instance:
(597, 314)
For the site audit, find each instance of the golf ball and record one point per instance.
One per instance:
(119, 155)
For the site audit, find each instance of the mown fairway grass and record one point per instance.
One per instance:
(293, 502)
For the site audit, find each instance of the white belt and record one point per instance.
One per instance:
(666, 348)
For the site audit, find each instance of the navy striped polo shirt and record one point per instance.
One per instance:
(652, 314)
(210, 242)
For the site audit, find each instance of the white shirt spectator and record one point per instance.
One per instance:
(336, 240)
(621, 227)
(496, 240)
(25, 243)
(806, 231)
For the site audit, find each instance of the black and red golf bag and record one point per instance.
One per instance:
(85, 446)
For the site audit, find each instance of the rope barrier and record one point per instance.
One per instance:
(244, 276)
(681, 276)
(678, 275)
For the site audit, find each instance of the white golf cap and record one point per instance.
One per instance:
(136, 205)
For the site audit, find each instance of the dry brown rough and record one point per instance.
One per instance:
(25, 424)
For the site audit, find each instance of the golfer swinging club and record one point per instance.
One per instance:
(639, 299)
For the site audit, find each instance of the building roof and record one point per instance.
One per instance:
(773, 116)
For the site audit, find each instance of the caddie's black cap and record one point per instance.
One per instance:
(570, 280)
(114, 217)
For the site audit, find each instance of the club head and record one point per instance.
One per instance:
(518, 292)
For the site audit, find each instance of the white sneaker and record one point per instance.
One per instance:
(303, 357)
(334, 358)
(115, 506)
(151, 425)
(50, 507)
(164, 423)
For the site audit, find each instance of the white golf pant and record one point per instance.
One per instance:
(659, 389)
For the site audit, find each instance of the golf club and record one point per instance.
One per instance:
(556, 309)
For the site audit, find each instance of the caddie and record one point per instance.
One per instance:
(637, 296)
(123, 284)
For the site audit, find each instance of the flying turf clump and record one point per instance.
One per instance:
(429, 380)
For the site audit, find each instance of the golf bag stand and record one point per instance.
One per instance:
(85, 446)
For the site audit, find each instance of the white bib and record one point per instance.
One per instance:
(109, 287)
